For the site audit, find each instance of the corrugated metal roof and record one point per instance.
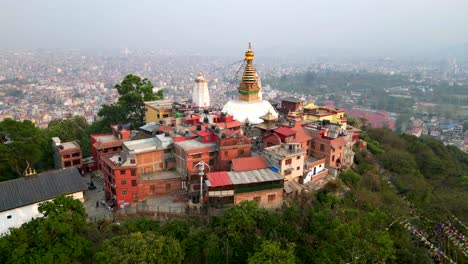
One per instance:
(218, 179)
(254, 176)
(41, 187)
(291, 186)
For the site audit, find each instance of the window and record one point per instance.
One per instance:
(124, 192)
(76, 154)
(66, 156)
(76, 162)
(212, 154)
(133, 172)
(135, 197)
(240, 152)
(271, 198)
(105, 150)
(298, 157)
(153, 188)
(333, 158)
(8, 217)
(322, 147)
(122, 172)
(257, 199)
(67, 164)
(211, 162)
(287, 172)
(196, 156)
(298, 168)
(288, 162)
(132, 161)
(225, 153)
(123, 182)
(134, 183)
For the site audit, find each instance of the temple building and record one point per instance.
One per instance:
(200, 94)
(250, 106)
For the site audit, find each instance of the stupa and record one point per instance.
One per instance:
(250, 106)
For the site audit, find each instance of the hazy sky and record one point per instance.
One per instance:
(225, 26)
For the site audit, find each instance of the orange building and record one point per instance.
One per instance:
(139, 171)
(188, 154)
(108, 143)
(263, 186)
(232, 147)
(66, 154)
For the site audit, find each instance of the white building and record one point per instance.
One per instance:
(200, 94)
(250, 106)
(20, 198)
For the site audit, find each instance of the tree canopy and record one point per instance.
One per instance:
(22, 141)
(129, 108)
(58, 237)
(140, 248)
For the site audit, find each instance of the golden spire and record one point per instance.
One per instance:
(249, 76)
(249, 54)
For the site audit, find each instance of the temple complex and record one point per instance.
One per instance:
(250, 106)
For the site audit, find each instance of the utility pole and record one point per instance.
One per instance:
(201, 171)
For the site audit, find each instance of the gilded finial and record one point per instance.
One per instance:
(249, 54)
(29, 171)
(200, 73)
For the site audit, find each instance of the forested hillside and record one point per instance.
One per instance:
(399, 204)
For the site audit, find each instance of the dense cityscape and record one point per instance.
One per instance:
(45, 85)
(234, 132)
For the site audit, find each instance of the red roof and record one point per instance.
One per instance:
(285, 131)
(250, 163)
(218, 179)
(164, 128)
(204, 133)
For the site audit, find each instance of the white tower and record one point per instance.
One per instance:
(200, 95)
(259, 82)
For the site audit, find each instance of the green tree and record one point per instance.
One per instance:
(352, 121)
(350, 177)
(140, 248)
(58, 237)
(133, 92)
(71, 129)
(22, 141)
(271, 253)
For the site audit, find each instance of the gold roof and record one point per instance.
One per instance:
(268, 117)
(249, 75)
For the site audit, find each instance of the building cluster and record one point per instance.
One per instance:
(224, 157)
(251, 150)
(450, 132)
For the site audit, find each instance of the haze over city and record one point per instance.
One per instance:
(315, 28)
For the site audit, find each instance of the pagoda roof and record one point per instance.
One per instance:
(269, 117)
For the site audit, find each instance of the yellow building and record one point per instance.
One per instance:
(312, 112)
(287, 159)
(155, 111)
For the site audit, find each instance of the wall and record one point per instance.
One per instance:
(249, 196)
(150, 162)
(231, 148)
(151, 188)
(297, 166)
(25, 214)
